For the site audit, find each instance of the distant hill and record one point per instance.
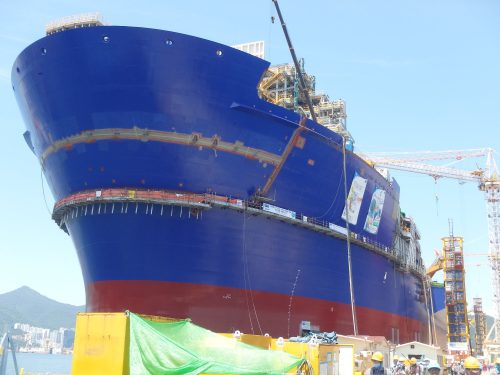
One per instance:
(25, 305)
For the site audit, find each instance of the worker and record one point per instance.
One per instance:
(472, 366)
(377, 365)
(414, 367)
(399, 369)
(407, 365)
(395, 363)
(497, 365)
(433, 368)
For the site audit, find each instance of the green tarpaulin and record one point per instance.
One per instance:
(185, 348)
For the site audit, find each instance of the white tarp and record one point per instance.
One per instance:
(375, 211)
(355, 198)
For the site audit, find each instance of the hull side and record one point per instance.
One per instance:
(188, 266)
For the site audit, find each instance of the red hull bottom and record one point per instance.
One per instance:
(224, 309)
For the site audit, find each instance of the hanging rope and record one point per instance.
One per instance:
(334, 198)
(247, 278)
(436, 194)
(43, 192)
(291, 300)
(245, 274)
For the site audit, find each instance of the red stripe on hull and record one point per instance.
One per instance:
(224, 309)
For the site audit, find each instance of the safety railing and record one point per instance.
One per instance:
(71, 22)
(208, 200)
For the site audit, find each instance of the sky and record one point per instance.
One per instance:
(416, 75)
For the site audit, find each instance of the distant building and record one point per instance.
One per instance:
(68, 338)
(420, 351)
(45, 340)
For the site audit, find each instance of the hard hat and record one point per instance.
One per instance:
(471, 362)
(413, 361)
(407, 363)
(433, 364)
(377, 356)
(395, 358)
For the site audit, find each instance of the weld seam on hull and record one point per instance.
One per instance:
(145, 135)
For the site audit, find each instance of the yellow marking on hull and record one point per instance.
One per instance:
(145, 135)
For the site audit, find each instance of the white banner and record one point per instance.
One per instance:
(337, 228)
(355, 198)
(375, 211)
(278, 210)
(460, 346)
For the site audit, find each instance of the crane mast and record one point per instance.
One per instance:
(487, 179)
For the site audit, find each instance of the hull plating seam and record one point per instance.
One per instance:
(145, 135)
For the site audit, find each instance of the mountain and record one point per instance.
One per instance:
(25, 305)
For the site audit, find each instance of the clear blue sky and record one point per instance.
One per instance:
(416, 75)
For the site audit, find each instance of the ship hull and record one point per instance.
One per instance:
(228, 270)
(131, 108)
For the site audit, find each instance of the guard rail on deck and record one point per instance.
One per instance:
(65, 207)
(73, 22)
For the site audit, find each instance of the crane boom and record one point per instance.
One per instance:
(429, 169)
(431, 155)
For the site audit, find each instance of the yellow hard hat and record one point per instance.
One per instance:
(413, 361)
(471, 363)
(395, 358)
(377, 356)
(407, 363)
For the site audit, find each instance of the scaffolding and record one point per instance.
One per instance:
(480, 324)
(491, 187)
(280, 86)
(455, 297)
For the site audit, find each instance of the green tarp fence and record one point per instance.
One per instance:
(184, 348)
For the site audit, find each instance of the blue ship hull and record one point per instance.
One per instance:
(133, 108)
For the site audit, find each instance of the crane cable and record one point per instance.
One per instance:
(43, 192)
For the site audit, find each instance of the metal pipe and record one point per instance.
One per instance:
(433, 319)
(295, 62)
(426, 286)
(349, 260)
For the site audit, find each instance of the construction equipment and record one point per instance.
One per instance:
(437, 265)
(299, 69)
(6, 345)
(488, 181)
(480, 324)
(280, 85)
(455, 296)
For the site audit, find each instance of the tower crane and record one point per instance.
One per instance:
(488, 181)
